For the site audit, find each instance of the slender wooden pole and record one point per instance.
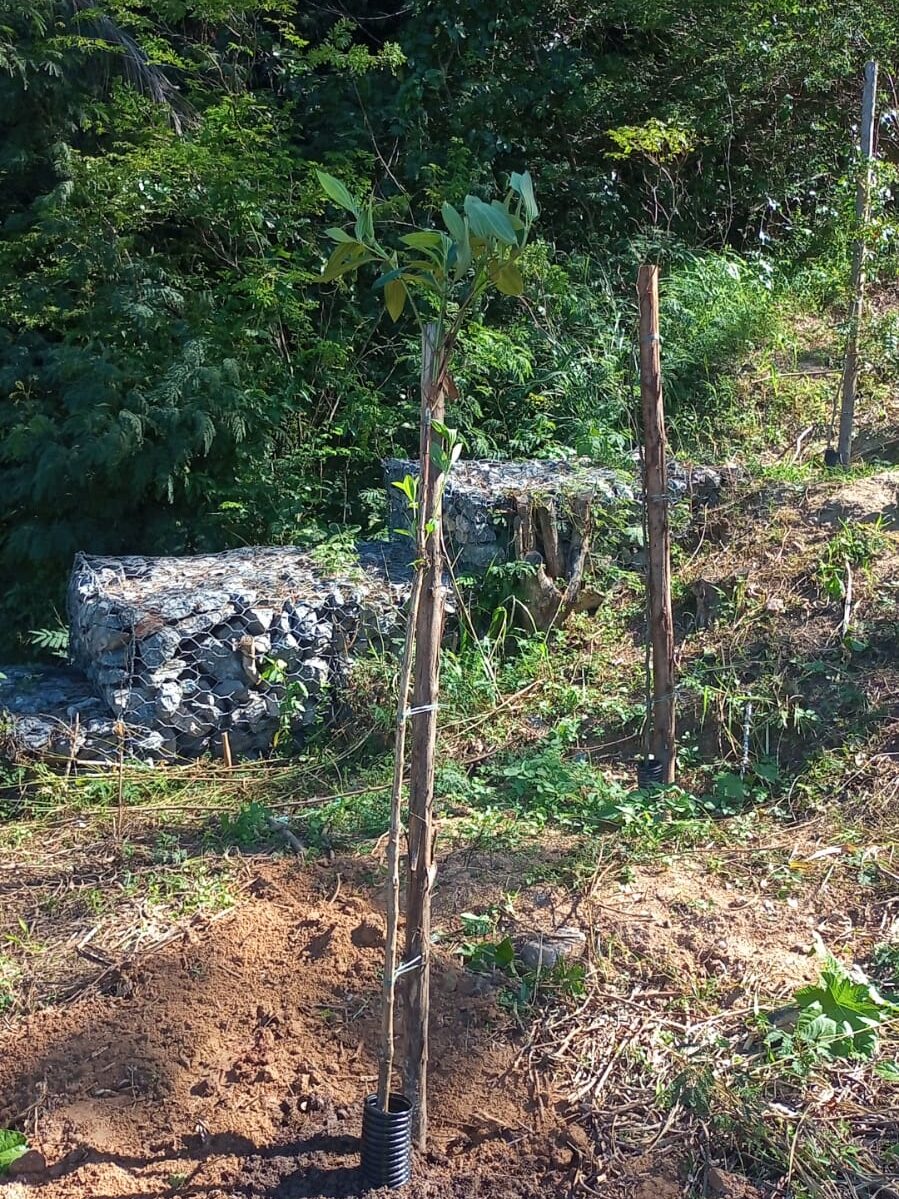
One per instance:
(429, 629)
(388, 1002)
(857, 304)
(655, 483)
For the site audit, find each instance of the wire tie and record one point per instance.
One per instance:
(418, 711)
(406, 967)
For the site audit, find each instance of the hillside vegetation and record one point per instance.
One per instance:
(191, 954)
(176, 379)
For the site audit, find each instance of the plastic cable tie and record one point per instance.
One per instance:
(406, 967)
(417, 711)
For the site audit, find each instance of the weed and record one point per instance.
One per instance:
(53, 641)
(837, 1018)
(855, 544)
(10, 974)
(522, 987)
(337, 554)
(248, 828)
(194, 887)
(167, 851)
(13, 1145)
(885, 961)
(347, 820)
(292, 695)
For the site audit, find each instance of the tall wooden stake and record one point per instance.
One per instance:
(862, 216)
(655, 483)
(428, 633)
(388, 1002)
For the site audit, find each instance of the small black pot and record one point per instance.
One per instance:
(832, 457)
(387, 1142)
(649, 773)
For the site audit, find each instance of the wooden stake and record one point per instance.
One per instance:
(388, 1008)
(862, 216)
(429, 630)
(226, 751)
(655, 483)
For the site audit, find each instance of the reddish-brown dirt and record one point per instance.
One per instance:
(234, 1063)
(234, 1060)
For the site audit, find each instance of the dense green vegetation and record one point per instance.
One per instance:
(173, 376)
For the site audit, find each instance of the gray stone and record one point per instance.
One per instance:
(169, 698)
(258, 620)
(220, 660)
(168, 670)
(158, 648)
(232, 689)
(547, 951)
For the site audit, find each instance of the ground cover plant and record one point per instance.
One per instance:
(681, 991)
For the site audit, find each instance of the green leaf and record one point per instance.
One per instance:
(13, 1145)
(338, 193)
(488, 222)
(423, 239)
(504, 954)
(524, 185)
(455, 223)
(842, 1014)
(342, 260)
(338, 234)
(889, 1071)
(508, 279)
(365, 224)
(462, 260)
(395, 298)
(387, 277)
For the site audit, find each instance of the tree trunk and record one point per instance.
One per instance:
(655, 483)
(429, 629)
(857, 287)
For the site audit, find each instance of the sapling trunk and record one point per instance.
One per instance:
(424, 735)
(388, 1009)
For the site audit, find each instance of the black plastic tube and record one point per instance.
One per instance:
(387, 1142)
(649, 773)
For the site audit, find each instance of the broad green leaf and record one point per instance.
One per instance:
(504, 955)
(524, 185)
(342, 260)
(336, 234)
(395, 298)
(841, 1015)
(365, 224)
(488, 222)
(423, 239)
(455, 223)
(889, 1071)
(508, 279)
(347, 257)
(13, 1145)
(388, 277)
(337, 192)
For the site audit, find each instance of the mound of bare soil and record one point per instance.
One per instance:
(235, 1062)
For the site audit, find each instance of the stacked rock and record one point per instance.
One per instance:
(53, 714)
(480, 501)
(245, 642)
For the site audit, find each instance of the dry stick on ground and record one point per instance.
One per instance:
(428, 635)
(655, 482)
(847, 602)
(862, 216)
